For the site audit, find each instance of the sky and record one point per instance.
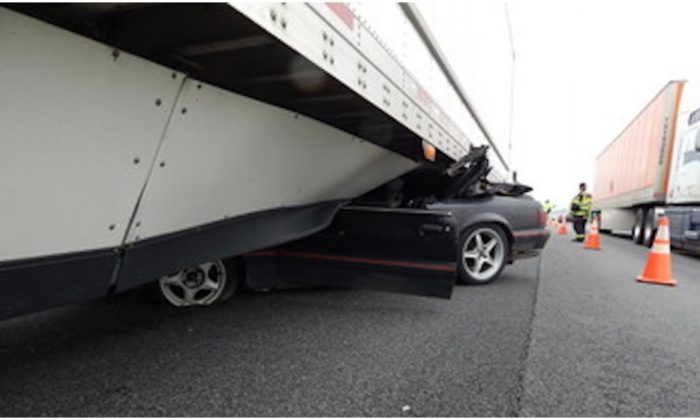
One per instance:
(583, 70)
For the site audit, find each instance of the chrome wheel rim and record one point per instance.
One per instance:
(196, 286)
(482, 254)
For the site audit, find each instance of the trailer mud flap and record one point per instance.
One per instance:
(394, 250)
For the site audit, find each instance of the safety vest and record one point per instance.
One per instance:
(548, 207)
(581, 205)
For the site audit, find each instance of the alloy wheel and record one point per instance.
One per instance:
(483, 253)
(196, 286)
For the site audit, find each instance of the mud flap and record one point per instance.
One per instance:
(395, 250)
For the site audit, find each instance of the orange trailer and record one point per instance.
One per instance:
(634, 168)
(632, 172)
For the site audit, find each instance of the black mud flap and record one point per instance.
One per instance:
(395, 250)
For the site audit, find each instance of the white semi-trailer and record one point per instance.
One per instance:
(139, 139)
(653, 167)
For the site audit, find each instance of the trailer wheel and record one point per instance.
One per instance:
(201, 285)
(649, 228)
(638, 228)
(483, 254)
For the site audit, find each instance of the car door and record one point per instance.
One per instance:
(397, 250)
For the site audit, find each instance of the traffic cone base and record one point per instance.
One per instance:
(670, 282)
(658, 266)
(657, 270)
(562, 229)
(593, 237)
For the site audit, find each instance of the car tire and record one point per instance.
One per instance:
(484, 250)
(649, 228)
(202, 285)
(638, 227)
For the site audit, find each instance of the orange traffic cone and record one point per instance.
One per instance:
(658, 268)
(562, 228)
(593, 237)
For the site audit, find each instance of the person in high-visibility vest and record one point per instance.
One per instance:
(581, 211)
(547, 207)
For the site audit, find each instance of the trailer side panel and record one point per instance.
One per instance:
(634, 168)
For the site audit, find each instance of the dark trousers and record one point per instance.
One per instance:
(580, 227)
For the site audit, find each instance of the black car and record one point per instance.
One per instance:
(417, 234)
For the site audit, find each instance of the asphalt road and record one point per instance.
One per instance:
(605, 345)
(582, 338)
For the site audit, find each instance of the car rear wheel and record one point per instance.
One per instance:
(484, 254)
(201, 285)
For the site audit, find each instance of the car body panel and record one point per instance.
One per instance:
(409, 251)
(519, 216)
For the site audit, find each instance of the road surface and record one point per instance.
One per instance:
(569, 334)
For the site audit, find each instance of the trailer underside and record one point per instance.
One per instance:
(216, 44)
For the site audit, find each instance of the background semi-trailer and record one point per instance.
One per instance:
(653, 166)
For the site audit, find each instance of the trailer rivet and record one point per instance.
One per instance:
(162, 164)
(284, 23)
(111, 227)
(184, 110)
(199, 85)
(158, 102)
(136, 161)
(273, 15)
(325, 55)
(332, 60)
(174, 75)
(115, 54)
(325, 35)
(138, 224)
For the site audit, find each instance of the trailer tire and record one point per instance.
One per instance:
(480, 245)
(202, 285)
(638, 228)
(649, 228)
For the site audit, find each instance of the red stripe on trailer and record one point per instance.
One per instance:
(423, 96)
(344, 13)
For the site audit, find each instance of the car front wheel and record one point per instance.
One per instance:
(484, 254)
(201, 285)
